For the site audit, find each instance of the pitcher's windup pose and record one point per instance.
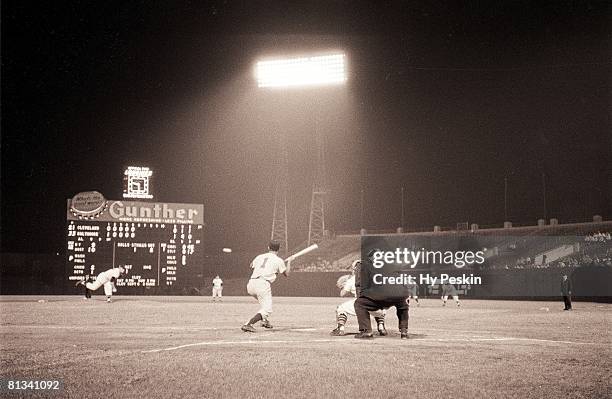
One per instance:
(105, 279)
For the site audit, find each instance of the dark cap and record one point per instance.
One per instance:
(372, 252)
(274, 246)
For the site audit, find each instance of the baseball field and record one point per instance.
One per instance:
(183, 347)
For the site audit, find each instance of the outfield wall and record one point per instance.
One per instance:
(507, 284)
(29, 275)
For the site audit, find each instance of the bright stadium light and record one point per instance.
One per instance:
(327, 69)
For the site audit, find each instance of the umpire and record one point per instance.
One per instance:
(566, 291)
(370, 299)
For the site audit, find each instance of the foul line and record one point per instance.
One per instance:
(204, 343)
(379, 340)
(506, 339)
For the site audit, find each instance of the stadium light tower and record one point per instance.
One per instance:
(306, 71)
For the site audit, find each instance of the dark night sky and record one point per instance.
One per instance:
(443, 100)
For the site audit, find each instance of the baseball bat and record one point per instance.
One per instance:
(302, 252)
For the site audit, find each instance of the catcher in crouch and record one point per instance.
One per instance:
(347, 287)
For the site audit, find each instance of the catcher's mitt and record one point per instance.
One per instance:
(342, 280)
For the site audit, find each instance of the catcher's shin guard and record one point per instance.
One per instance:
(341, 319)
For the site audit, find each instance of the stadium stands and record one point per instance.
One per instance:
(516, 248)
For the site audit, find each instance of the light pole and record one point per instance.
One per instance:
(300, 72)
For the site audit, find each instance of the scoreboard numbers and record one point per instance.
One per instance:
(160, 244)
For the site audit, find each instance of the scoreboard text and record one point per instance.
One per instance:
(160, 244)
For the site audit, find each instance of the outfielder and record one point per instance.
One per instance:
(265, 268)
(346, 284)
(449, 290)
(104, 279)
(217, 288)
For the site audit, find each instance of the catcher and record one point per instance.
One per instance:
(347, 287)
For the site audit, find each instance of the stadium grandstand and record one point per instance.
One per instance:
(557, 245)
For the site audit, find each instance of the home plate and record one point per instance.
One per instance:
(303, 329)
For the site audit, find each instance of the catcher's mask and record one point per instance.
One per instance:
(371, 253)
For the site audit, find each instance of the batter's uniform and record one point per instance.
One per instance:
(265, 268)
(449, 290)
(217, 291)
(105, 279)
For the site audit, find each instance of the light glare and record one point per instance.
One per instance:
(304, 71)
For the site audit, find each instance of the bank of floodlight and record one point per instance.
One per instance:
(328, 69)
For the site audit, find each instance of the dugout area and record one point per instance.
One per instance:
(164, 347)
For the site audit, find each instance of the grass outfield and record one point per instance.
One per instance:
(178, 347)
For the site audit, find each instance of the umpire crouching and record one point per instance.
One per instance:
(371, 298)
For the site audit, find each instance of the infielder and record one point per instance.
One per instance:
(347, 287)
(449, 290)
(104, 279)
(217, 288)
(265, 268)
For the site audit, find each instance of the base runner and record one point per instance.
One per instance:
(265, 268)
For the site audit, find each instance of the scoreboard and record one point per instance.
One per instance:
(159, 244)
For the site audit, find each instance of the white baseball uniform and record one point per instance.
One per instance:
(217, 287)
(348, 307)
(104, 279)
(265, 268)
(449, 290)
(413, 289)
